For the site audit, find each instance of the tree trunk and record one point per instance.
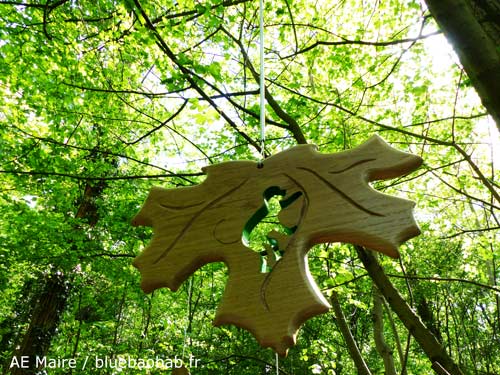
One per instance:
(44, 321)
(473, 27)
(427, 341)
(52, 300)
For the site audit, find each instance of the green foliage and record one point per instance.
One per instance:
(102, 100)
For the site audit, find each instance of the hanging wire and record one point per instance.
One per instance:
(263, 104)
(190, 291)
(262, 82)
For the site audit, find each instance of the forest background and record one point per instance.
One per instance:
(101, 100)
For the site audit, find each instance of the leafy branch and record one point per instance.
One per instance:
(293, 126)
(100, 178)
(189, 76)
(346, 41)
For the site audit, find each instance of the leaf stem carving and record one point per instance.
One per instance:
(170, 207)
(190, 223)
(341, 193)
(353, 165)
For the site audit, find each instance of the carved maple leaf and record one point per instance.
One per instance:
(327, 199)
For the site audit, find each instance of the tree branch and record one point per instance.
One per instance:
(346, 41)
(293, 126)
(446, 279)
(115, 91)
(189, 75)
(94, 150)
(378, 332)
(95, 178)
(428, 342)
(355, 354)
(196, 12)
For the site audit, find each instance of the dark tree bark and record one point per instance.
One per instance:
(473, 27)
(50, 303)
(43, 324)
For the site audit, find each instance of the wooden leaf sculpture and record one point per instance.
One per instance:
(326, 198)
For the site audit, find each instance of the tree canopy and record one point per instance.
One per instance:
(102, 100)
